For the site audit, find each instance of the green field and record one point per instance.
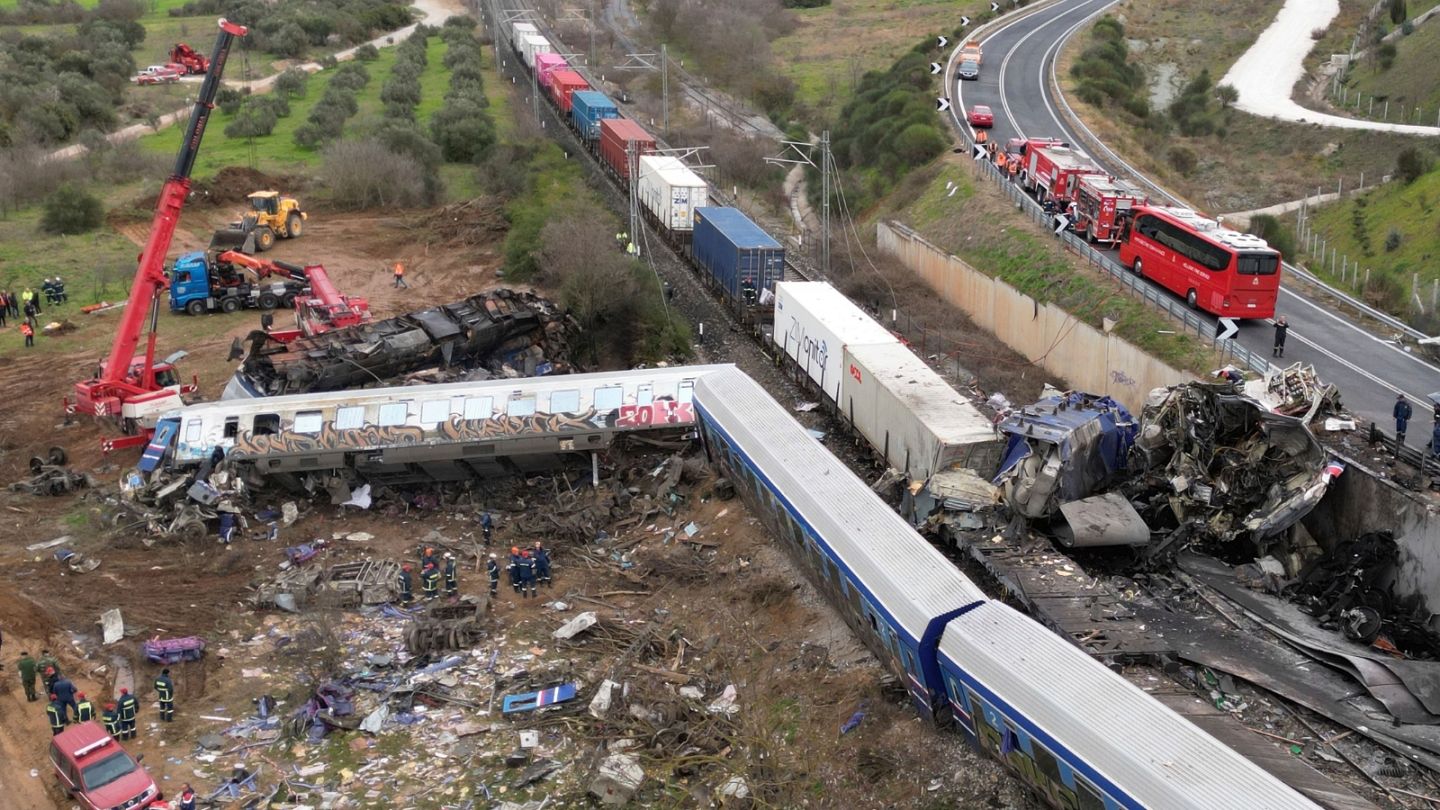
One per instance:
(1412, 80)
(277, 153)
(1409, 211)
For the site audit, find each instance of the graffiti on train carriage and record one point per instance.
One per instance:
(659, 412)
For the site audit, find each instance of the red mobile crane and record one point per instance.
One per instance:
(323, 309)
(188, 58)
(129, 388)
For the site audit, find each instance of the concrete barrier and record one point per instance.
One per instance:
(1083, 356)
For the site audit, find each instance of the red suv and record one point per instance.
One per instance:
(97, 772)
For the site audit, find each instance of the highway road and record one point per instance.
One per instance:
(1019, 53)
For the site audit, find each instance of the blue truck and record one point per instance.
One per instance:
(587, 109)
(738, 255)
(201, 282)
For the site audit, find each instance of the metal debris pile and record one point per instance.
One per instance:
(49, 476)
(1212, 466)
(1350, 589)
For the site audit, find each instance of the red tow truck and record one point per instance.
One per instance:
(1049, 170)
(131, 390)
(1101, 204)
(194, 63)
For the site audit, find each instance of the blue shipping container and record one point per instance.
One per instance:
(587, 109)
(741, 257)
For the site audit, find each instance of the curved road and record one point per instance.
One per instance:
(1019, 51)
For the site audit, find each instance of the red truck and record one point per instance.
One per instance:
(1101, 205)
(97, 772)
(192, 62)
(1050, 170)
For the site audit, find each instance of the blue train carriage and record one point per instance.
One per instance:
(737, 256)
(889, 584)
(587, 109)
(1081, 735)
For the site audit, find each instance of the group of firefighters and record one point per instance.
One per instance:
(527, 568)
(69, 705)
(1003, 160)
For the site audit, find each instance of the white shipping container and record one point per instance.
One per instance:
(913, 416)
(520, 30)
(670, 191)
(533, 44)
(814, 323)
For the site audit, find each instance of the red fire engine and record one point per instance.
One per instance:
(1049, 170)
(1101, 205)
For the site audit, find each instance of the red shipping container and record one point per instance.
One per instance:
(615, 137)
(562, 84)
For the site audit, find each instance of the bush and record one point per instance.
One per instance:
(70, 210)
(350, 76)
(252, 121)
(1272, 231)
(463, 130)
(1386, 55)
(228, 99)
(309, 135)
(292, 83)
(1183, 159)
(365, 174)
(1411, 163)
(462, 21)
(1392, 241)
(329, 61)
(1398, 11)
(367, 53)
(1407, 28)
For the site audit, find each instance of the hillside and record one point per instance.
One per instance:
(1411, 80)
(1391, 231)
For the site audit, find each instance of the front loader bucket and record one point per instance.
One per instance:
(233, 239)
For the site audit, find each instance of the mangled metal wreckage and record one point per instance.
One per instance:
(489, 332)
(1204, 464)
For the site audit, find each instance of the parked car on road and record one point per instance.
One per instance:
(969, 71)
(97, 772)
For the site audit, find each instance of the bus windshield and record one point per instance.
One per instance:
(1258, 264)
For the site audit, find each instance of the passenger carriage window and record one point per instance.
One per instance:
(350, 418)
(266, 424)
(479, 407)
(686, 392)
(434, 411)
(565, 401)
(232, 427)
(394, 413)
(1045, 762)
(1088, 795)
(192, 430)
(522, 406)
(609, 398)
(308, 422)
(644, 394)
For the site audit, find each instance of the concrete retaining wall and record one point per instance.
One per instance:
(1360, 501)
(1084, 357)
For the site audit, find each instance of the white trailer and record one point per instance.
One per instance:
(533, 44)
(814, 323)
(520, 30)
(913, 417)
(670, 192)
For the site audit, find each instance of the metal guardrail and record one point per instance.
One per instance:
(1189, 321)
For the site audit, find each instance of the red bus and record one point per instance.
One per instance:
(1223, 272)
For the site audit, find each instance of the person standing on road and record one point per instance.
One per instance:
(165, 693)
(1281, 327)
(1402, 413)
(129, 709)
(55, 713)
(28, 668)
(492, 567)
(399, 271)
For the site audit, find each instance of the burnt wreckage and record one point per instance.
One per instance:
(496, 329)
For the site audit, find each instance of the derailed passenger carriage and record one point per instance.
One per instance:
(1079, 734)
(895, 589)
(436, 432)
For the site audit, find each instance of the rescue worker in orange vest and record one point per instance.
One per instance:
(981, 137)
(1000, 158)
(1014, 167)
(400, 276)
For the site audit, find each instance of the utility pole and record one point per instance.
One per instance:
(653, 61)
(632, 159)
(805, 155)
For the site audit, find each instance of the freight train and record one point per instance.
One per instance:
(1080, 735)
(736, 258)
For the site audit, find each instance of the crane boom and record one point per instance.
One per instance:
(263, 268)
(122, 380)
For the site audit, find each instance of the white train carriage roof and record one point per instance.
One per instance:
(906, 576)
(1126, 738)
(664, 382)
